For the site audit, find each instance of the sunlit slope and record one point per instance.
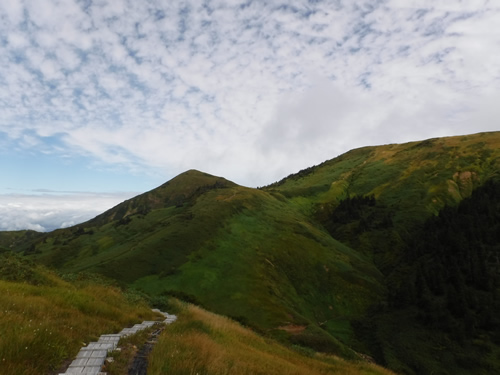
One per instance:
(238, 251)
(415, 179)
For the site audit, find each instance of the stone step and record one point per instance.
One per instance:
(90, 362)
(109, 346)
(90, 358)
(88, 353)
(111, 337)
(89, 370)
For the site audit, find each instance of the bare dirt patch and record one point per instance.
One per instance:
(293, 329)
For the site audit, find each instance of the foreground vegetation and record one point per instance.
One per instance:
(44, 320)
(203, 343)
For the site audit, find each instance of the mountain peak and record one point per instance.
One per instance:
(186, 182)
(178, 191)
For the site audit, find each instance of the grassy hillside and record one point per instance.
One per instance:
(205, 343)
(44, 320)
(238, 251)
(315, 259)
(409, 183)
(416, 179)
(441, 272)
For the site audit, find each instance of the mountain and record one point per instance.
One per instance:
(320, 258)
(242, 252)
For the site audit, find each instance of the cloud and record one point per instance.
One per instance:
(46, 211)
(250, 90)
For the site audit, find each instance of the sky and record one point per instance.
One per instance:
(101, 100)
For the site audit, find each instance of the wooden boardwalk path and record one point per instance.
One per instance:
(90, 358)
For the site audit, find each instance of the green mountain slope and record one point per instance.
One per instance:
(408, 182)
(416, 178)
(238, 251)
(441, 272)
(315, 258)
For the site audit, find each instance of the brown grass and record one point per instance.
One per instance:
(41, 327)
(204, 343)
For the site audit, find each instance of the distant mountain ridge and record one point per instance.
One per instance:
(318, 250)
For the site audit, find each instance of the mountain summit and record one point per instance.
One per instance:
(175, 192)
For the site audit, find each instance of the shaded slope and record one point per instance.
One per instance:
(445, 290)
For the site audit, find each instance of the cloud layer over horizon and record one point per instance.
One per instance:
(47, 211)
(249, 90)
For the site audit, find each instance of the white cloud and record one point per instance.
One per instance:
(12, 12)
(48, 211)
(250, 91)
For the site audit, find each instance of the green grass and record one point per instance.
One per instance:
(284, 269)
(413, 178)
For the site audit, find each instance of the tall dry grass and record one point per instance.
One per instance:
(204, 343)
(41, 326)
